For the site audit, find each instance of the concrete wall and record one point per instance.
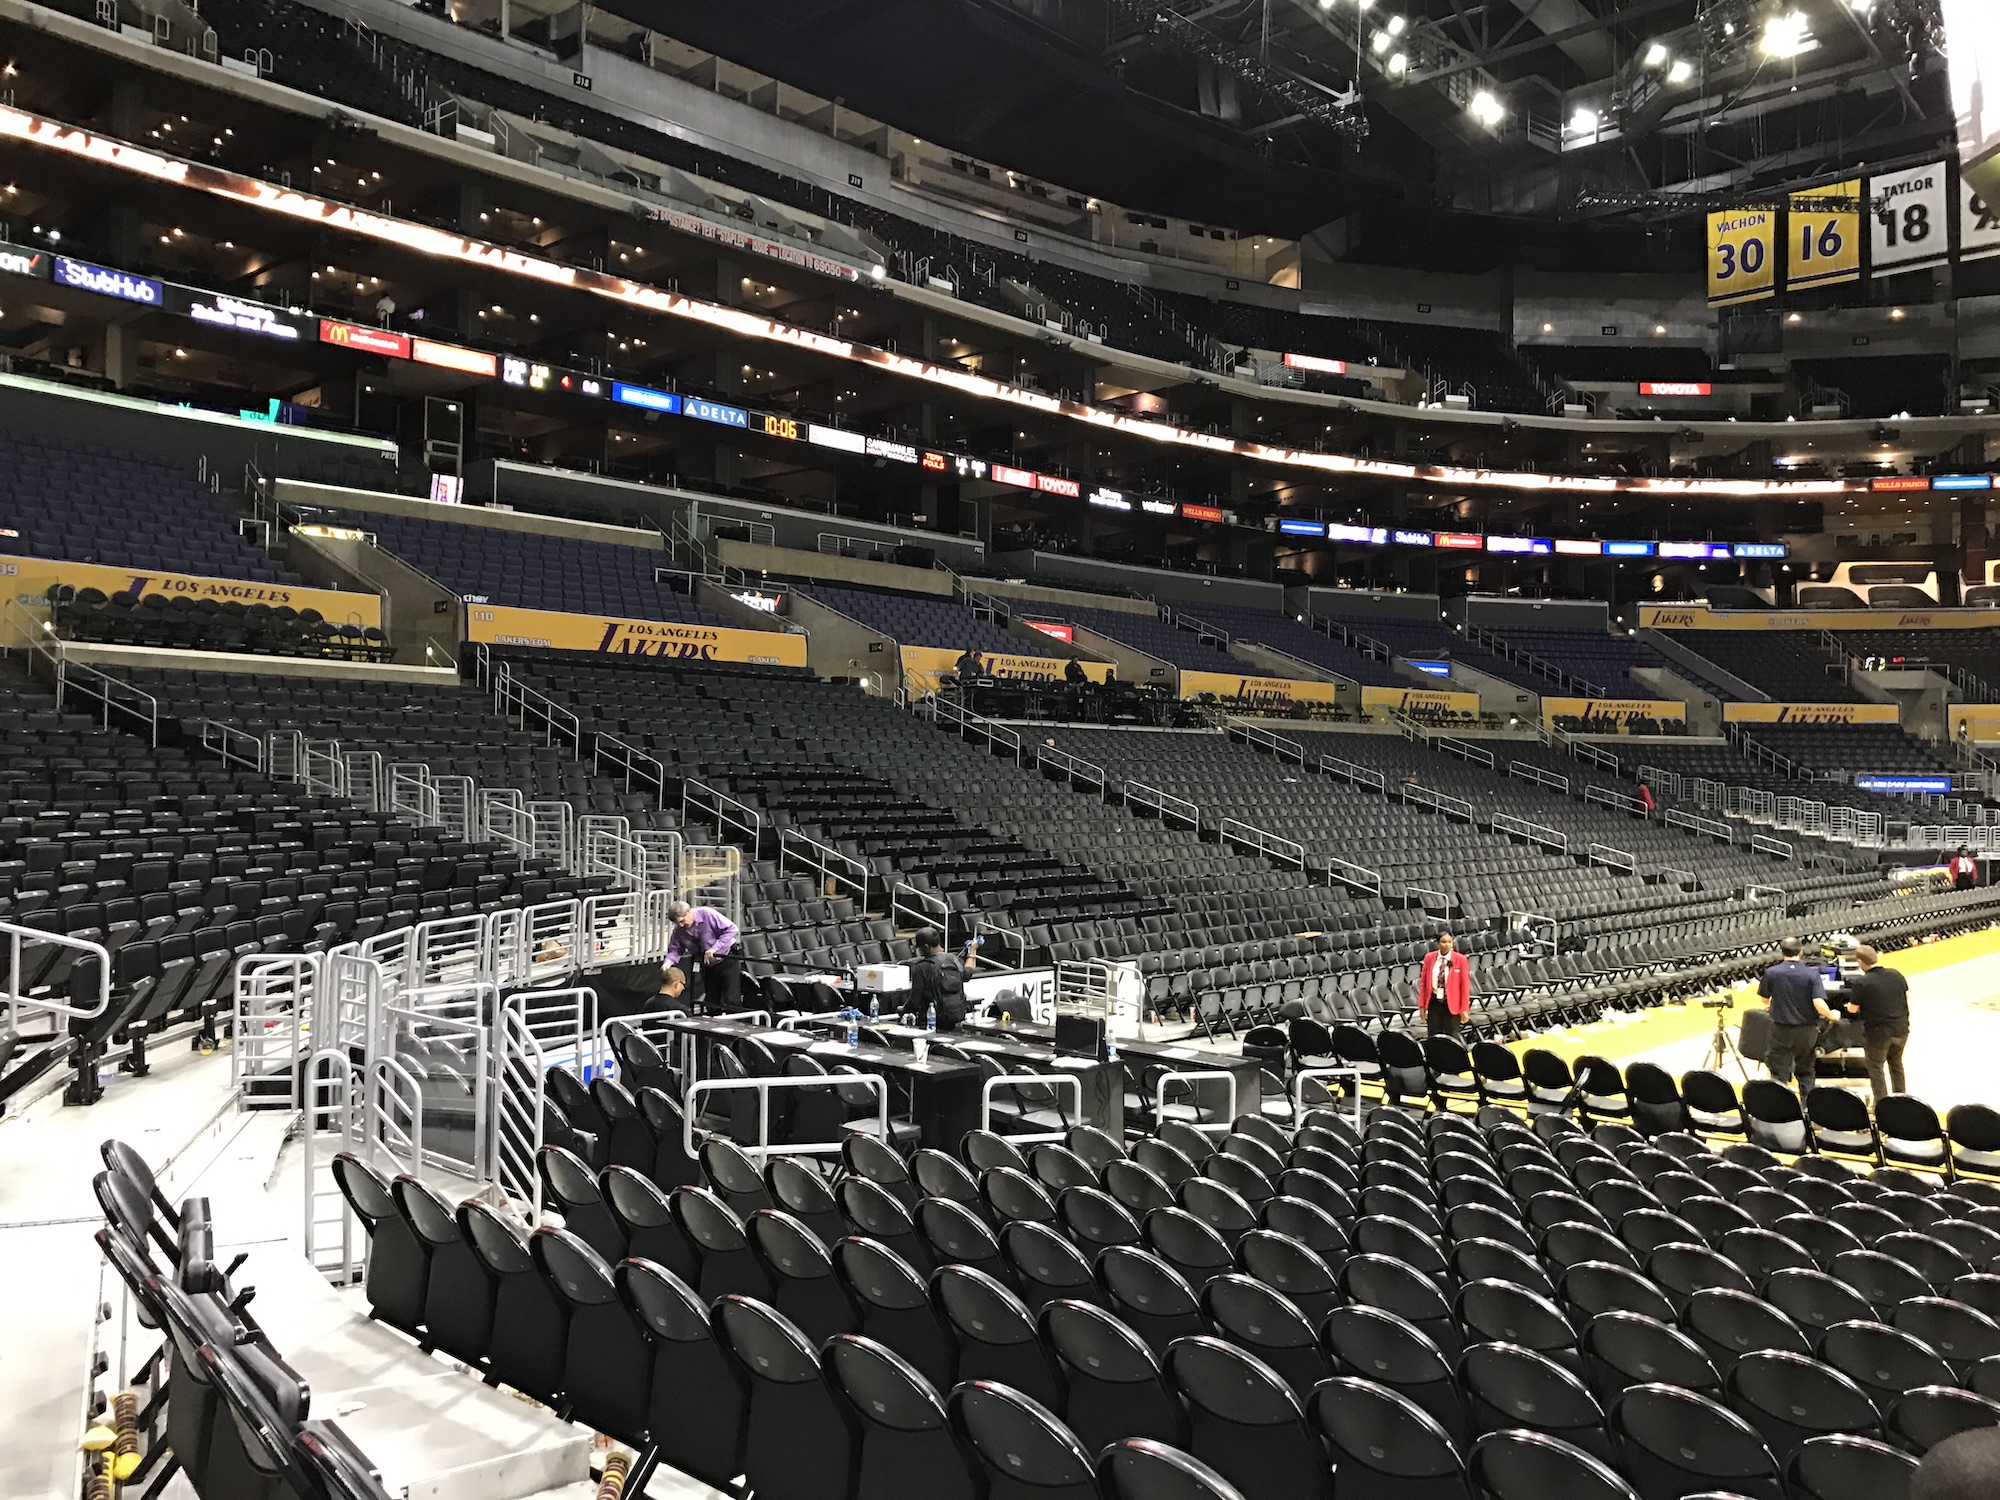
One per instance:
(1418, 608)
(335, 497)
(1492, 612)
(1133, 666)
(839, 647)
(1056, 599)
(790, 562)
(417, 611)
(1185, 589)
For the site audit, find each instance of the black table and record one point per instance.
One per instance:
(943, 1092)
(1027, 1049)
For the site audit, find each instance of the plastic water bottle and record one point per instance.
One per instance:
(874, 1009)
(853, 1027)
(930, 1017)
(1110, 1050)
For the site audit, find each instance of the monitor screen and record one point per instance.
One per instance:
(1079, 1036)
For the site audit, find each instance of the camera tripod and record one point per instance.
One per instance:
(1722, 1047)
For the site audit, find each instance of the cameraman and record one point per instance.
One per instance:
(1796, 994)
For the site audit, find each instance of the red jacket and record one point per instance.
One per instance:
(1457, 983)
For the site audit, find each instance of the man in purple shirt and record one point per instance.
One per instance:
(702, 935)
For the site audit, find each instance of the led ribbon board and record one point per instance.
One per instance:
(424, 239)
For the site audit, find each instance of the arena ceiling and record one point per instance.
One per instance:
(1385, 118)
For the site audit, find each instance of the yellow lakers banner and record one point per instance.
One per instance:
(1701, 617)
(29, 579)
(1974, 721)
(1417, 700)
(1824, 239)
(1259, 689)
(501, 625)
(924, 665)
(1623, 710)
(1741, 265)
(1810, 713)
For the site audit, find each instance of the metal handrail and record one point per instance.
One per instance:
(1776, 847)
(1282, 746)
(1617, 800)
(828, 862)
(1537, 833)
(1076, 770)
(226, 741)
(1617, 859)
(1527, 772)
(516, 702)
(1190, 1078)
(1347, 770)
(964, 720)
(16, 935)
(1162, 805)
(1359, 877)
(608, 752)
(1015, 1080)
(764, 1145)
(925, 907)
(1678, 819)
(1298, 1088)
(726, 812)
(1270, 845)
(1444, 802)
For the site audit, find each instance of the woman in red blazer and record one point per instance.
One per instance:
(1444, 1001)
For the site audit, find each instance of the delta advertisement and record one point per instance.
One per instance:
(923, 666)
(1621, 710)
(30, 578)
(1810, 713)
(1700, 617)
(1257, 689)
(1420, 700)
(502, 625)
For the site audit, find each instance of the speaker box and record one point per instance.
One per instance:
(916, 557)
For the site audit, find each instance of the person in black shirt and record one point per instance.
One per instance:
(938, 979)
(967, 666)
(1881, 998)
(1796, 993)
(1074, 673)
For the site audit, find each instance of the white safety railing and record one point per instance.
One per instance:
(1078, 772)
(1172, 1080)
(1534, 833)
(1721, 832)
(839, 874)
(1540, 777)
(763, 1088)
(1357, 877)
(412, 796)
(331, 1124)
(1777, 848)
(233, 746)
(631, 767)
(1139, 797)
(997, 736)
(367, 785)
(1604, 797)
(1047, 1085)
(734, 820)
(1347, 770)
(913, 908)
(1270, 845)
(1617, 859)
(1305, 1075)
(273, 1000)
(1443, 802)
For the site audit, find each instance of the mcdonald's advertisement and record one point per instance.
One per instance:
(923, 666)
(501, 625)
(1621, 710)
(1810, 713)
(1420, 700)
(30, 577)
(1257, 689)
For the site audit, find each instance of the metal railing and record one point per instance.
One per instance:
(968, 723)
(1721, 832)
(1356, 877)
(1077, 771)
(1604, 797)
(1775, 847)
(763, 1088)
(233, 746)
(1191, 1080)
(611, 756)
(531, 709)
(1540, 777)
(1140, 797)
(1347, 770)
(1270, 845)
(701, 802)
(1282, 746)
(914, 908)
(1617, 859)
(1443, 802)
(1537, 833)
(839, 874)
(1053, 1083)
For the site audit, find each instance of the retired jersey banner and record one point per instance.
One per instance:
(1978, 224)
(923, 666)
(1623, 710)
(1823, 236)
(1701, 617)
(30, 577)
(502, 625)
(1419, 700)
(1908, 218)
(1742, 263)
(1260, 689)
(1811, 713)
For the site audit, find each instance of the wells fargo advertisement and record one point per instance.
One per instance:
(1257, 689)
(924, 665)
(1810, 713)
(1623, 710)
(1700, 617)
(1418, 700)
(500, 625)
(30, 577)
